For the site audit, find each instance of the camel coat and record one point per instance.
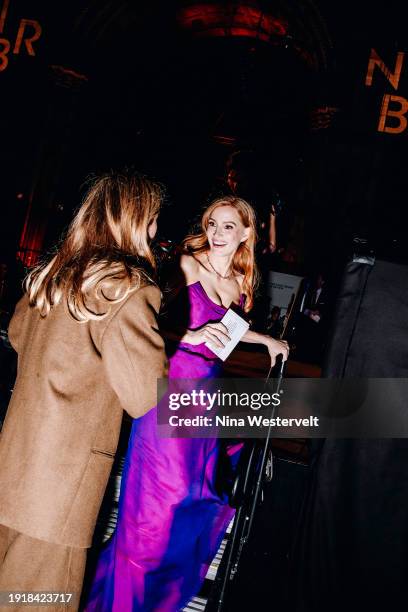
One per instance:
(61, 430)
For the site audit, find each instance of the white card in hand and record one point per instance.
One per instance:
(236, 326)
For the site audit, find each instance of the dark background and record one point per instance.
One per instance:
(174, 87)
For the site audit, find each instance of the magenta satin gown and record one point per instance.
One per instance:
(171, 515)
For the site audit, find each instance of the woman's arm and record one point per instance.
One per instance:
(133, 351)
(214, 333)
(275, 347)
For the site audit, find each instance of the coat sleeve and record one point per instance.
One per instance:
(133, 351)
(16, 322)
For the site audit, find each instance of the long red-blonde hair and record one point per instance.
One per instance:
(243, 261)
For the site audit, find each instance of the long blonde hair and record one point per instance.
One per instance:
(244, 258)
(106, 242)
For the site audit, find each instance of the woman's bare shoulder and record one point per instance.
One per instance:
(176, 275)
(189, 264)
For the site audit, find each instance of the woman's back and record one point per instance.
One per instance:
(73, 378)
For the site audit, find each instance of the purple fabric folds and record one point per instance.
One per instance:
(172, 516)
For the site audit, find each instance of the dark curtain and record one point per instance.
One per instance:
(351, 548)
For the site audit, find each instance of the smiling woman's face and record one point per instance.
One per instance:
(225, 231)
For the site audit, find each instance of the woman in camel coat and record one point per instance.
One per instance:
(88, 348)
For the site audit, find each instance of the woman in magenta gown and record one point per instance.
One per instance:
(172, 517)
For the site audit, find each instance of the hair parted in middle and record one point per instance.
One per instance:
(243, 261)
(106, 242)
